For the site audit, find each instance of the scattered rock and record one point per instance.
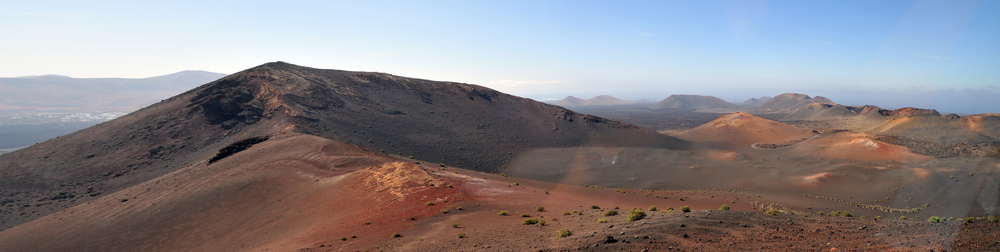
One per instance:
(609, 239)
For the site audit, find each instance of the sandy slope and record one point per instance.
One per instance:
(741, 130)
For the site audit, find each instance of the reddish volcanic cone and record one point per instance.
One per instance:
(741, 130)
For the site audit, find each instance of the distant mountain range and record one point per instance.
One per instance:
(57, 93)
(601, 100)
(692, 102)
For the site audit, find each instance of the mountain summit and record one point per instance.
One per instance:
(461, 125)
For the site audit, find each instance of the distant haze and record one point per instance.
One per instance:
(964, 101)
(939, 54)
(57, 93)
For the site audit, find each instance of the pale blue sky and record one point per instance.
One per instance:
(936, 54)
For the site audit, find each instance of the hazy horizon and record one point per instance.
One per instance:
(929, 54)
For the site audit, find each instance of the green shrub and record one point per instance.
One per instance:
(441, 165)
(610, 212)
(902, 217)
(343, 238)
(455, 225)
(502, 213)
(685, 209)
(877, 217)
(772, 211)
(652, 208)
(430, 203)
(935, 219)
(724, 207)
(566, 213)
(846, 214)
(461, 235)
(444, 211)
(540, 209)
(970, 220)
(459, 208)
(563, 233)
(669, 209)
(834, 213)
(595, 207)
(525, 215)
(993, 219)
(820, 213)
(542, 222)
(636, 214)
(396, 235)
(602, 220)
(529, 221)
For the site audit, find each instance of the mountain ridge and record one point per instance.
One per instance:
(457, 124)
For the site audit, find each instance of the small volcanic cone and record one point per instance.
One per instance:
(741, 130)
(858, 146)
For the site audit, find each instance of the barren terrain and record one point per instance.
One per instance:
(281, 157)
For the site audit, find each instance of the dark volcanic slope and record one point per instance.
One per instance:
(788, 102)
(458, 124)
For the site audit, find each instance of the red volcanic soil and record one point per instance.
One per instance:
(856, 146)
(741, 130)
(299, 191)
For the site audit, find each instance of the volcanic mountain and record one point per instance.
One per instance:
(47, 93)
(456, 124)
(788, 102)
(754, 101)
(741, 130)
(601, 100)
(824, 111)
(692, 102)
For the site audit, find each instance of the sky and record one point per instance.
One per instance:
(930, 54)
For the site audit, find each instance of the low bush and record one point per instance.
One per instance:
(455, 225)
(772, 211)
(540, 209)
(595, 207)
(652, 208)
(610, 212)
(685, 209)
(724, 207)
(636, 214)
(529, 221)
(566, 213)
(993, 219)
(970, 220)
(525, 215)
(563, 233)
(502, 213)
(602, 220)
(935, 219)
(396, 235)
(846, 214)
(461, 235)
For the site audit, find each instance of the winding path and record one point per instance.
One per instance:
(754, 145)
